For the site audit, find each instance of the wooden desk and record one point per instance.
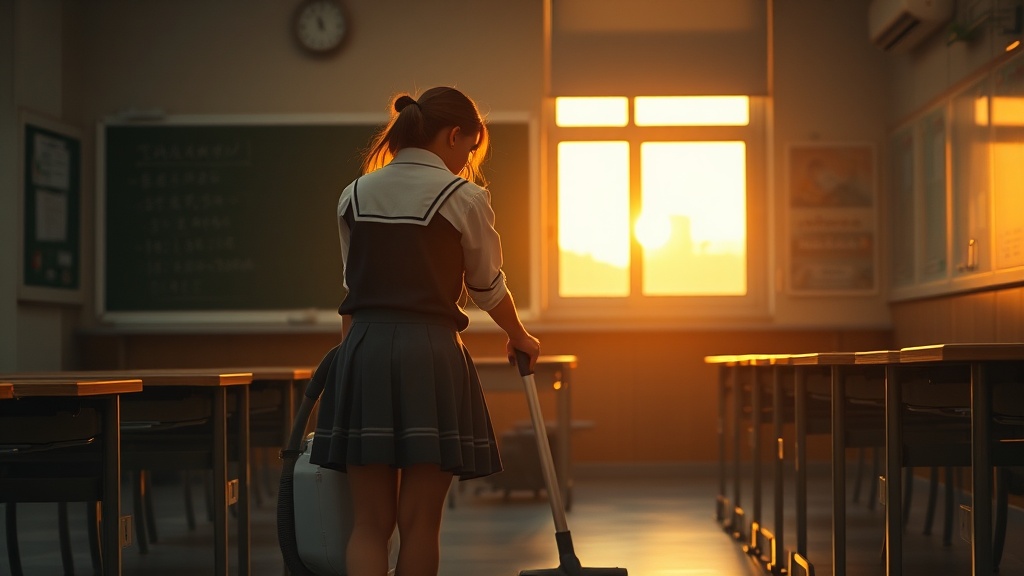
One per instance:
(977, 360)
(737, 375)
(726, 364)
(769, 545)
(213, 384)
(551, 372)
(803, 364)
(6, 390)
(105, 396)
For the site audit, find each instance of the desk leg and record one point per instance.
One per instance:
(244, 525)
(565, 436)
(755, 449)
(720, 511)
(111, 506)
(737, 432)
(777, 417)
(893, 474)
(838, 472)
(981, 468)
(800, 401)
(220, 480)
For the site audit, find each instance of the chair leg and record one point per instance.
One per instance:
(139, 510)
(933, 494)
(876, 471)
(1002, 501)
(258, 474)
(859, 475)
(92, 510)
(208, 484)
(190, 514)
(908, 494)
(147, 500)
(67, 560)
(13, 552)
(951, 487)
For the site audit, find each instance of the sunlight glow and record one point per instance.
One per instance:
(652, 230)
(699, 188)
(592, 111)
(1005, 111)
(692, 111)
(1007, 181)
(593, 218)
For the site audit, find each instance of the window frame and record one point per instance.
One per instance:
(688, 309)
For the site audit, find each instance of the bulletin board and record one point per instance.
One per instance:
(832, 209)
(50, 197)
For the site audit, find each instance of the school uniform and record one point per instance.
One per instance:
(402, 388)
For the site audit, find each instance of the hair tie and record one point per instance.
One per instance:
(404, 101)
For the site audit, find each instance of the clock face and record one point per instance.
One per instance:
(320, 25)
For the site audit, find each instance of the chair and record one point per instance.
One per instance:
(50, 453)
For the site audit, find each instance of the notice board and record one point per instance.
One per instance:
(50, 197)
(204, 219)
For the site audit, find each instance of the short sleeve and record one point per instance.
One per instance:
(481, 248)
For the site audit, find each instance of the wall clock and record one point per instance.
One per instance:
(320, 26)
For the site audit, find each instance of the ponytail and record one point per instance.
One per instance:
(414, 123)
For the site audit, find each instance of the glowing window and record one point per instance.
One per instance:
(592, 111)
(692, 111)
(693, 221)
(593, 219)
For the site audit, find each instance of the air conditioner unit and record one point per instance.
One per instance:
(899, 25)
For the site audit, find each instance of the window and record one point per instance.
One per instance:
(654, 206)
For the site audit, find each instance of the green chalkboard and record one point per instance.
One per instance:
(242, 216)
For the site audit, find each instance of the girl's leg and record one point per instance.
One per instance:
(374, 501)
(421, 497)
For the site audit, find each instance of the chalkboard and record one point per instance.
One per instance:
(241, 216)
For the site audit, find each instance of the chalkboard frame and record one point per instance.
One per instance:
(291, 319)
(31, 124)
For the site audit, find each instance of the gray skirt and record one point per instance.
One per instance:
(403, 390)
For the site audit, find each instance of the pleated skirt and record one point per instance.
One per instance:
(402, 390)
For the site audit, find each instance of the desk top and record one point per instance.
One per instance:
(727, 359)
(878, 357)
(766, 359)
(973, 352)
(259, 373)
(823, 359)
(73, 387)
(6, 390)
(553, 360)
(149, 377)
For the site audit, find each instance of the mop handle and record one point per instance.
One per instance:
(540, 431)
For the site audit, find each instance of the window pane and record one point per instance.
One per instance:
(593, 219)
(933, 135)
(692, 111)
(602, 111)
(695, 192)
(901, 184)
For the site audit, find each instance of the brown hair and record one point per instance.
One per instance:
(415, 123)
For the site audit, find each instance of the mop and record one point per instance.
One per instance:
(569, 564)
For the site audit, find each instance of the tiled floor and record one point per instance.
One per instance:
(656, 523)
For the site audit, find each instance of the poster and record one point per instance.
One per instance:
(832, 219)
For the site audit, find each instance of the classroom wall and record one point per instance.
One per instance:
(32, 335)
(829, 88)
(916, 80)
(9, 243)
(648, 392)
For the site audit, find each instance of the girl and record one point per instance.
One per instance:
(404, 411)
